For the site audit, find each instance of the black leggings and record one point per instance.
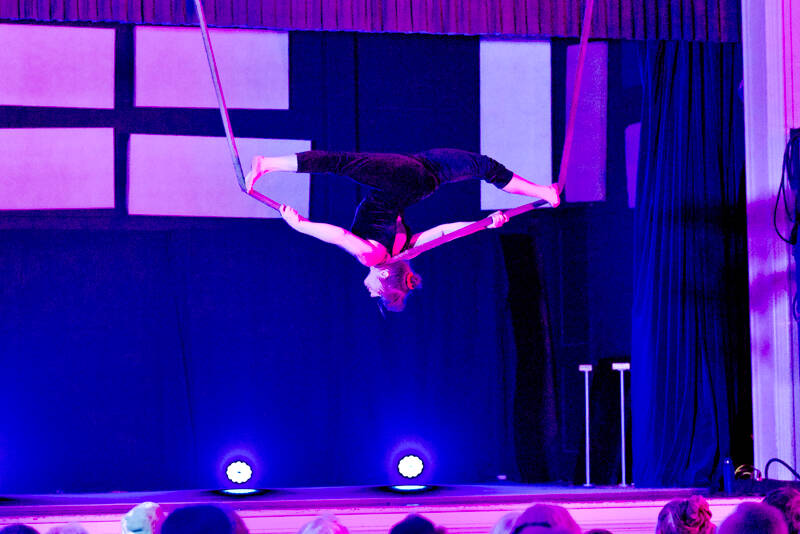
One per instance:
(395, 174)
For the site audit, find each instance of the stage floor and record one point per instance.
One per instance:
(369, 510)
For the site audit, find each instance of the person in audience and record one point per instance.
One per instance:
(685, 516)
(144, 518)
(787, 501)
(416, 524)
(69, 528)
(323, 525)
(203, 519)
(754, 518)
(598, 531)
(18, 528)
(505, 525)
(545, 516)
(396, 181)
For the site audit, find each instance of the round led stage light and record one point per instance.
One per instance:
(410, 466)
(239, 472)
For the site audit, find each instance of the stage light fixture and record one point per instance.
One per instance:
(239, 472)
(409, 488)
(240, 491)
(410, 466)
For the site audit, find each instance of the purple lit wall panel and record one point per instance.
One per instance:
(193, 176)
(172, 71)
(632, 137)
(56, 168)
(791, 62)
(586, 173)
(56, 66)
(515, 113)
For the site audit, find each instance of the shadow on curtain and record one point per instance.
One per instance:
(690, 367)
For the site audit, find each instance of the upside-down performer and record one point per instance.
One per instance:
(379, 230)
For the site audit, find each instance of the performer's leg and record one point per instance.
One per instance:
(395, 174)
(520, 186)
(264, 164)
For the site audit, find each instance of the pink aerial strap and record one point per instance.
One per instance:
(562, 173)
(223, 111)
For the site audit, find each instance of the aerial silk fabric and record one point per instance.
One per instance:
(690, 309)
(700, 20)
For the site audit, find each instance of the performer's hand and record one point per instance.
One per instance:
(498, 219)
(290, 215)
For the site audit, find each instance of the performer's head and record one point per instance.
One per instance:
(392, 282)
(685, 516)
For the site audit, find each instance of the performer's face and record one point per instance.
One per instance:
(373, 281)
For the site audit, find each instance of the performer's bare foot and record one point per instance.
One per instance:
(553, 195)
(258, 168)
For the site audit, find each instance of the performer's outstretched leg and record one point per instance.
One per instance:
(520, 186)
(264, 164)
(395, 174)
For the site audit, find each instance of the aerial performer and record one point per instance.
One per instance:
(379, 231)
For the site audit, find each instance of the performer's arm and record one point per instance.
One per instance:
(367, 253)
(498, 219)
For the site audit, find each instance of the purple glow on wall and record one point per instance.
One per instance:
(56, 168)
(586, 174)
(56, 66)
(193, 176)
(171, 68)
(632, 136)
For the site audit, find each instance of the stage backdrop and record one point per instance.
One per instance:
(143, 352)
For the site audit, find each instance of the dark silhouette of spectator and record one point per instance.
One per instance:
(787, 501)
(203, 519)
(545, 516)
(685, 516)
(18, 528)
(416, 524)
(754, 518)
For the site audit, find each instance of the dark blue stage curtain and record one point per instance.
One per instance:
(690, 343)
(702, 20)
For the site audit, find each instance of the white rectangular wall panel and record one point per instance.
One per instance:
(193, 176)
(586, 171)
(56, 168)
(172, 70)
(515, 114)
(56, 66)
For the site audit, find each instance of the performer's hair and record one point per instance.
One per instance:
(787, 500)
(397, 284)
(324, 524)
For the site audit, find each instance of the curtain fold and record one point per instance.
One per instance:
(690, 289)
(693, 20)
